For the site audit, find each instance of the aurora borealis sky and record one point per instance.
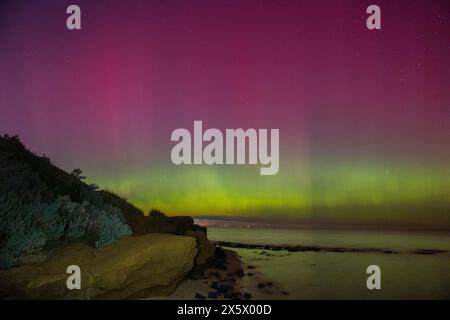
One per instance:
(364, 115)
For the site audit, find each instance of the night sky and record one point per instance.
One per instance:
(364, 115)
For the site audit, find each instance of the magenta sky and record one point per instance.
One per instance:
(106, 98)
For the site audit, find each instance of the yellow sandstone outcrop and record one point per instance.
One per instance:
(133, 267)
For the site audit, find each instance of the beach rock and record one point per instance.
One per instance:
(220, 259)
(215, 285)
(133, 267)
(428, 251)
(206, 249)
(224, 288)
(240, 273)
(233, 295)
(228, 295)
(199, 296)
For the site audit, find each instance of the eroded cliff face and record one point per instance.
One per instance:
(206, 249)
(131, 268)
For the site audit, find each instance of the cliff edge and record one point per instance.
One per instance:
(134, 267)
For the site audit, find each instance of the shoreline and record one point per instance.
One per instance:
(299, 248)
(220, 281)
(235, 278)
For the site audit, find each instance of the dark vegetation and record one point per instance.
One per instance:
(41, 204)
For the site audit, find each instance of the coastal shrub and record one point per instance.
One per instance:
(41, 205)
(28, 227)
(109, 227)
(77, 221)
(19, 233)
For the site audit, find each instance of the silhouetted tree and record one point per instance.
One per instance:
(94, 186)
(77, 173)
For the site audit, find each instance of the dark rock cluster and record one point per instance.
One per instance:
(157, 222)
(299, 248)
(220, 259)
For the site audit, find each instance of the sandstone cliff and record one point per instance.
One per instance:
(134, 267)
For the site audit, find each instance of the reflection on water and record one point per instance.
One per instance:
(325, 275)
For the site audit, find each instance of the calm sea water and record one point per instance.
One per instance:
(325, 275)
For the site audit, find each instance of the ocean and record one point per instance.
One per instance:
(417, 268)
